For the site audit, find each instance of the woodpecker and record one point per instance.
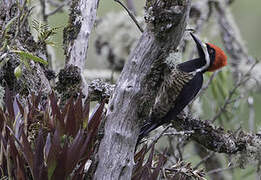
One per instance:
(182, 85)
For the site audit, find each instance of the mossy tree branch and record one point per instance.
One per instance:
(137, 86)
(15, 35)
(76, 40)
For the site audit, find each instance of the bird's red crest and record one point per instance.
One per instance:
(220, 58)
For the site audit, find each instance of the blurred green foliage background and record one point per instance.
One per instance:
(247, 15)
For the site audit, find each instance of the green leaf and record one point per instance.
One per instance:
(44, 31)
(51, 169)
(221, 88)
(28, 55)
(8, 25)
(18, 71)
(214, 89)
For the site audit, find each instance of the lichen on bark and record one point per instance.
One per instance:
(15, 35)
(73, 27)
(69, 82)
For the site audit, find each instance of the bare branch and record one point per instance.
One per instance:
(240, 60)
(251, 119)
(158, 136)
(210, 161)
(221, 169)
(43, 10)
(137, 87)
(229, 99)
(131, 6)
(59, 8)
(131, 15)
(76, 34)
(206, 158)
(180, 133)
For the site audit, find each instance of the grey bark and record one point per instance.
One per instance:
(137, 86)
(77, 33)
(209, 136)
(99, 90)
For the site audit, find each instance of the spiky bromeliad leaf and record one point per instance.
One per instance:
(55, 153)
(27, 55)
(39, 169)
(146, 171)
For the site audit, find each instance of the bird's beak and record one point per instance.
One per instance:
(202, 52)
(200, 46)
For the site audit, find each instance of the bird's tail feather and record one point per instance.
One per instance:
(147, 128)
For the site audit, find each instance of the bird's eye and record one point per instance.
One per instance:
(211, 51)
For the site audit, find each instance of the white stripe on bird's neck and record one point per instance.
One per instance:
(206, 66)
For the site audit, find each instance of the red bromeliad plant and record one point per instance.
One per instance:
(42, 140)
(156, 167)
(149, 169)
(45, 141)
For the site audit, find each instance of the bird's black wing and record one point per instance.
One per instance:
(188, 92)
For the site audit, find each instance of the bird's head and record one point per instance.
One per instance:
(214, 57)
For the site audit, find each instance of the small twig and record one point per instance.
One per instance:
(180, 143)
(229, 100)
(20, 13)
(57, 9)
(26, 16)
(236, 99)
(171, 152)
(251, 118)
(229, 2)
(131, 15)
(231, 37)
(210, 155)
(179, 151)
(130, 5)
(179, 133)
(158, 137)
(54, 3)
(221, 169)
(43, 8)
(226, 103)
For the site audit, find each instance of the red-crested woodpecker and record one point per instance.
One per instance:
(182, 85)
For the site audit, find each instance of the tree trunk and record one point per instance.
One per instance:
(137, 86)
